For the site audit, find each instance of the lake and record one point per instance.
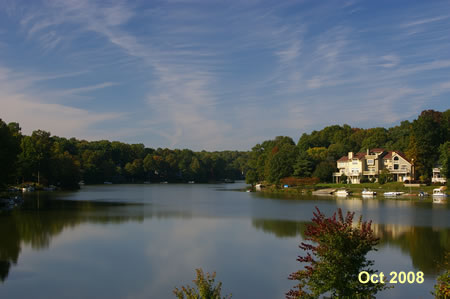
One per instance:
(140, 241)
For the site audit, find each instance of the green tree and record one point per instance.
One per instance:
(280, 162)
(250, 177)
(384, 177)
(427, 135)
(303, 166)
(444, 160)
(335, 259)
(9, 149)
(205, 288)
(324, 171)
(65, 168)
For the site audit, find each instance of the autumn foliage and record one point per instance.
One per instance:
(335, 258)
(293, 181)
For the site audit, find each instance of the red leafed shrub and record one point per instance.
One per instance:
(292, 181)
(335, 257)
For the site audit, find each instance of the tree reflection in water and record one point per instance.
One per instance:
(425, 245)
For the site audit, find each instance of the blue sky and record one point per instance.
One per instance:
(219, 75)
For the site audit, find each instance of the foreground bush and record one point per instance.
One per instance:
(337, 259)
(205, 288)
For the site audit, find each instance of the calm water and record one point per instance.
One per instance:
(140, 241)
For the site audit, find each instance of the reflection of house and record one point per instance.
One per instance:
(437, 177)
(371, 163)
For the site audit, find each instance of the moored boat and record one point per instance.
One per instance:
(393, 193)
(368, 192)
(439, 192)
(342, 192)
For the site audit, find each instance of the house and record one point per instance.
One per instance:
(371, 163)
(437, 176)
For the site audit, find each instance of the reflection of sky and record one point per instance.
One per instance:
(148, 258)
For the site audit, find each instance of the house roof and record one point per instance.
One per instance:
(343, 159)
(358, 156)
(390, 154)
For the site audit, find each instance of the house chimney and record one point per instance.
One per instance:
(350, 155)
(367, 151)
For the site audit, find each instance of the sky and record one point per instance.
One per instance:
(217, 75)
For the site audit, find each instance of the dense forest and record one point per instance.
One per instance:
(426, 140)
(64, 162)
(52, 160)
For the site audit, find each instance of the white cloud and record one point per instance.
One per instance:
(20, 104)
(424, 21)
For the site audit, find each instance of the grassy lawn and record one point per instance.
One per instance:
(355, 188)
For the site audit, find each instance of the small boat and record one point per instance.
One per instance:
(165, 182)
(327, 191)
(422, 193)
(107, 183)
(228, 181)
(368, 192)
(439, 192)
(147, 182)
(191, 182)
(248, 190)
(393, 193)
(342, 193)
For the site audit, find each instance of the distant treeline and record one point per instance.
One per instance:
(426, 140)
(64, 162)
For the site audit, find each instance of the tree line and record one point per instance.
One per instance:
(60, 161)
(425, 139)
(53, 160)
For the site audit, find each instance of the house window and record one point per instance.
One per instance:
(395, 159)
(355, 162)
(395, 166)
(369, 161)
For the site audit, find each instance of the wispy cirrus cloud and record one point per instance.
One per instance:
(214, 76)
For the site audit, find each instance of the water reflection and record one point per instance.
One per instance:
(425, 245)
(192, 226)
(42, 217)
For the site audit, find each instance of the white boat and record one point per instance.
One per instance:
(107, 183)
(164, 182)
(393, 193)
(439, 192)
(422, 193)
(368, 192)
(342, 193)
(191, 182)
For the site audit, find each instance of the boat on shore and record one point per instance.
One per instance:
(439, 192)
(368, 192)
(342, 192)
(191, 182)
(392, 193)
(327, 191)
